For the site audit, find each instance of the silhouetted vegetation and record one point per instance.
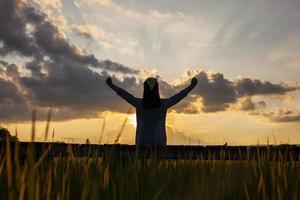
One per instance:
(5, 133)
(90, 177)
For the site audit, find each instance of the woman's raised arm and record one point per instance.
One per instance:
(122, 93)
(180, 95)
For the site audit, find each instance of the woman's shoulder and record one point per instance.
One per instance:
(138, 102)
(164, 100)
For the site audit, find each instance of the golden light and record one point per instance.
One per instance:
(132, 120)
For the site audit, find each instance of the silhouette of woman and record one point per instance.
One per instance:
(151, 111)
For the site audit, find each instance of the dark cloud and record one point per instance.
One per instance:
(9, 70)
(8, 91)
(13, 30)
(64, 78)
(217, 93)
(73, 91)
(59, 73)
(213, 91)
(287, 118)
(28, 32)
(279, 115)
(3, 65)
(12, 102)
(246, 104)
(108, 65)
(75, 87)
(250, 87)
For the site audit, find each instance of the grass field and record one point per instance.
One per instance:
(133, 178)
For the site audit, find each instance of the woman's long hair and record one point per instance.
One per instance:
(151, 97)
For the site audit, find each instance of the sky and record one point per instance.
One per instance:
(56, 54)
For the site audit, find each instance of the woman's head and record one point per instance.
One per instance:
(151, 97)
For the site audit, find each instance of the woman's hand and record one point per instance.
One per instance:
(194, 82)
(108, 81)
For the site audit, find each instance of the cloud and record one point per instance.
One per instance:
(279, 115)
(76, 88)
(159, 15)
(246, 104)
(59, 73)
(13, 104)
(108, 65)
(71, 90)
(250, 87)
(88, 31)
(120, 42)
(28, 32)
(215, 93)
(62, 76)
(112, 6)
(75, 91)
(177, 137)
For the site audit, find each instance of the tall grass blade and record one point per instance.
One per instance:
(33, 125)
(2, 165)
(49, 116)
(16, 132)
(102, 130)
(8, 167)
(53, 132)
(40, 160)
(122, 127)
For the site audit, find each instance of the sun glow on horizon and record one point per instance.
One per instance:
(132, 120)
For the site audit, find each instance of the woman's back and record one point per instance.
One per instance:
(151, 114)
(151, 128)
